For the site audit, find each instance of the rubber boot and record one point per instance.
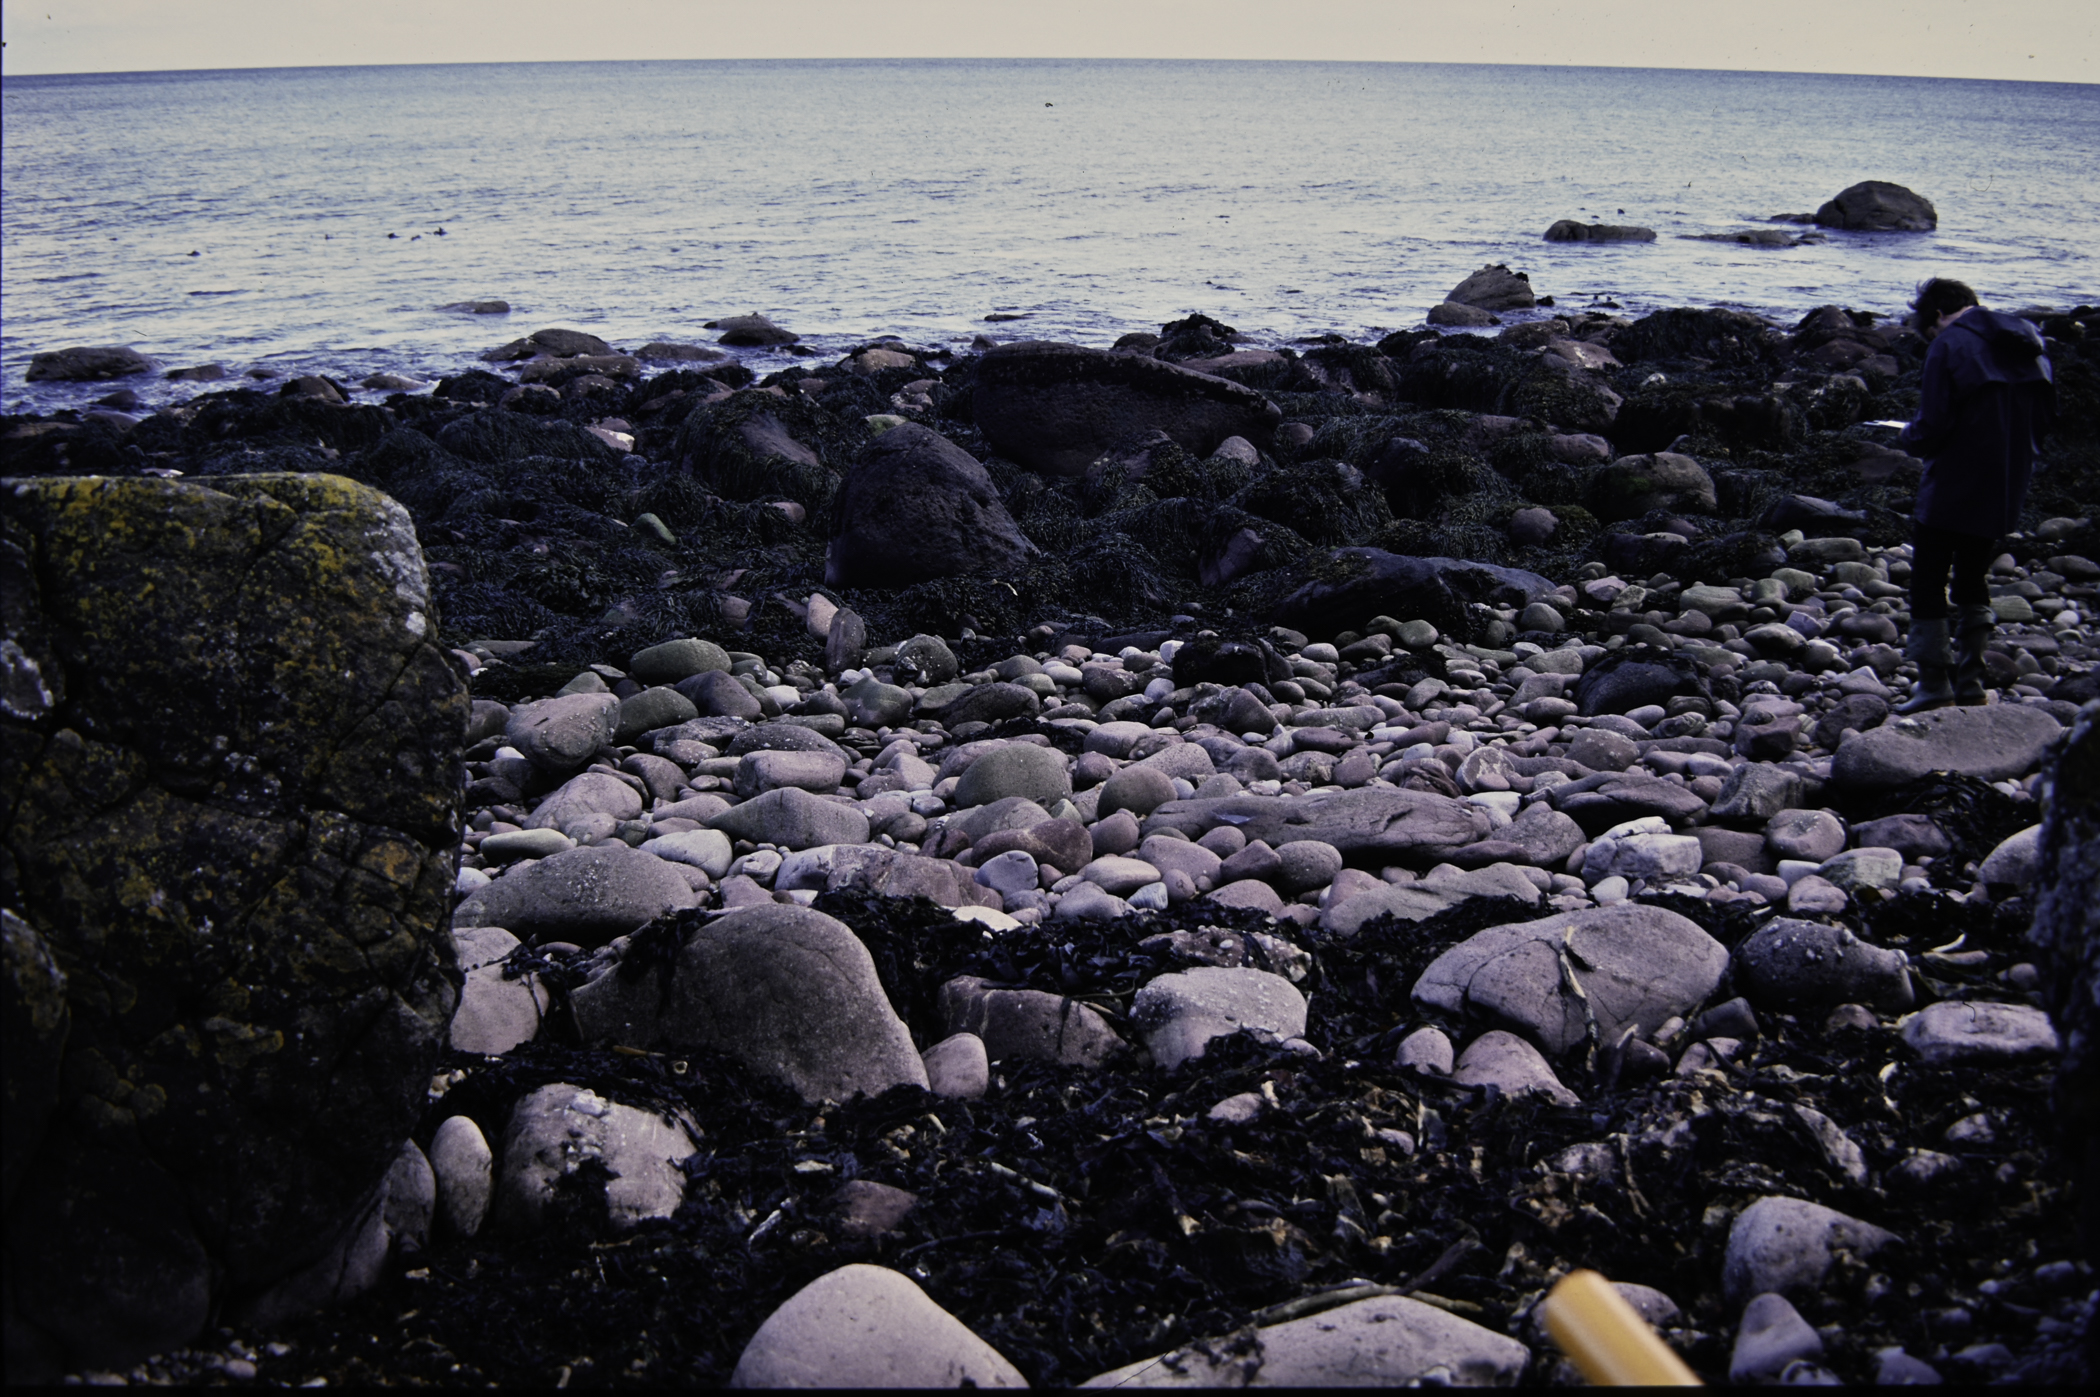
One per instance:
(1928, 645)
(1973, 628)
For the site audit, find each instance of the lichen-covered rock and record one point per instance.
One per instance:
(232, 770)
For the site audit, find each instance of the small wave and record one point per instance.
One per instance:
(230, 291)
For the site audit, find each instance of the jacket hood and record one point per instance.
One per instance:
(2018, 340)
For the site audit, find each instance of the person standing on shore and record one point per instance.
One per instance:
(1988, 396)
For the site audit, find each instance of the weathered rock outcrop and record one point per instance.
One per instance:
(230, 756)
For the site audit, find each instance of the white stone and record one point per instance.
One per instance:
(460, 1158)
(868, 1326)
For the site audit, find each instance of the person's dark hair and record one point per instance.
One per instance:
(1937, 297)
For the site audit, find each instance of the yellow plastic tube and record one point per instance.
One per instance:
(1606, 1337)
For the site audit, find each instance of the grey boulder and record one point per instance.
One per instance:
(1634, 964)
(1179, 1013)
(1786, 1245)
(868, 1326)
(1501, 1059)
(1990, 743)
(1494, 287)
(1017, 769)
(1032, 1025)
(555, 1130)
(1792, 965)
(587, 895)
(1375, 824)
(793, 819)
(560, 735)
(792, 994)
(914, 507)
(495, 1014)
(1876, 206)
(1978, 1031)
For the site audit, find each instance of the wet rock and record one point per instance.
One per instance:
(915, 506)
(1634, 485)
(792, 994)
(1876, 206)
(1814, 835)
(463, 1167)
(587, 895)
(256, 718)
(560, 344)
(1056, 408)
(1569, 230)
(495, 1014)
(555, 1130)
(1635, 678)
(1027, 1024)
(87, 364)
(1634, 964)
(1993, 743)
(1772, 1335)
(36, 1020)
(1796, 965)
(1787, 1246)
(868, 1326)
(411, 1199)
(958, 1067)
(1455, 316)
(1911, 835)
(818, 773)
(674, 661)
(1180, 1012)
(1501, 1059)
(1355, 585)
(2016, 861)
(1389, 1341)
(793, 819)
(1494, 287)
(753, 331)
(1977, 1031)
(1756, 792)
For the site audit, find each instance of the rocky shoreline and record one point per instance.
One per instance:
(1353, 830)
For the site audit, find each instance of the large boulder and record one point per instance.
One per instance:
(2066, 938)
(793, 995)
(1633, 485)
(914, 507)
(87, 364)
(1990, 743)
(758, 446)
(230, 747)
(551, 343)
(1876, 206)
(1597, 970)
(1056, 408)
(1350, 586)
(868, 1326)
(587, 895)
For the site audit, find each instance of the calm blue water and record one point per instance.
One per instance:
(851, 199)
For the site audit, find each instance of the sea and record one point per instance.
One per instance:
(314, 220)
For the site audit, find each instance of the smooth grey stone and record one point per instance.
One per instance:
(1772, 1334)
(1427, 1050)
(1896, 1368)
(486, 719)
(561, 735)
(1248, 892)
(592, 793)
(1600, 750)
(512, 845)
(874, 704)
(1786, 1244)
(1812, 835)
(1862, 868)
(1756, 791)
(1139, 789)
(1501, 1059)
(1180, 856)
(925, 659)
(464, 1168)
(1021, 769)
(1794, 965)
(782, 736)
(1305, 864)
(1032, 1025)
(411, 1198)
(1180, 1012)
(1373, 824)
(1657, 857)
(1636, 964)
(958, 1067)
(651, 709)
(1119, 874)
(819, 773)
(1811, 896)
(1545, 835)
(887, 872)
(675, 660)
(1008, 812)
(792, 994)
(554, 1130)
(1011, 872)
(1237, 1109)
(864, 1208)
(662, 777)
(2017, 859)
(1186, 761)
(1990, 743)
(1977, 1031)
(1388, 1341)
(494, 1014)
(586, 895)
(793, 819)
(868, 1326)
(715, 693)
(708, 850)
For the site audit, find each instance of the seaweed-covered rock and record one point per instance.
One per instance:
(759, 446)
(1056, 407)
(1633, 485)
(2066, 936)
(234, 788)
(1494, 287)
(1353, 585)
(916, 506)
(560, 344)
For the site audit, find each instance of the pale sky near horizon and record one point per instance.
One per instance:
(2032, 40)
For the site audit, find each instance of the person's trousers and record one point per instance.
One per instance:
(1936, 553)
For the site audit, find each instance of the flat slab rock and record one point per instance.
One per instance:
(1990, 743)
(1635, 965)
(1975, 1031)
(1369, 825)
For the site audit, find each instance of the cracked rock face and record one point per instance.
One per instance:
(234, 823)
(1551, 979)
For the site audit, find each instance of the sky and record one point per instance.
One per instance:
(2032, 40)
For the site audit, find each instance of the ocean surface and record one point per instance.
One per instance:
(289, 219)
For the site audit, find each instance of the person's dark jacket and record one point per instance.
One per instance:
(1988, 398)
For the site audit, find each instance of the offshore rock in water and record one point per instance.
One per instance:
(1569, 230)
(236, 787)
(1876, 206)
(88, 364)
